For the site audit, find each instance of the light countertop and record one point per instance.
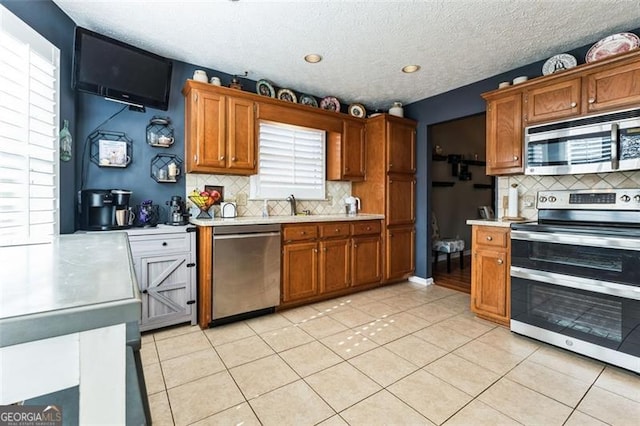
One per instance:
(504, 223)
(73, 283)
(256, 220)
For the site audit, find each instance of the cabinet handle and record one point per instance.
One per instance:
(489, 238)
(164, 244)
(500, 261)
(324, 249)
(315, 250)
(144, 292)
(573, 104)
(515, 157)
(233, 158)
(390, 181)
(592, 100)
(337, 229)
(346, 169)
(368, 228)
(355, 246)
(390, 165)
(390, 235)
(303, 233)
(222, 157)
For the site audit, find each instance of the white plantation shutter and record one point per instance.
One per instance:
(291, 160)
(29, 105)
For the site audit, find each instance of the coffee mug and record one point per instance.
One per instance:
(124, 217)
(162, 174)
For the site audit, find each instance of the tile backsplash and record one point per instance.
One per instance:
(528, 186)
(236, 188)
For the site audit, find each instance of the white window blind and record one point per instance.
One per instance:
(29, 108)
(291, 161)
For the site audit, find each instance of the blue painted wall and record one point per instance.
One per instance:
(54, 25)
(461, 102)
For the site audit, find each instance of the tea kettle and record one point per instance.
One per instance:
(352, 205)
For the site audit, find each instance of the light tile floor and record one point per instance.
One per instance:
(400, 354)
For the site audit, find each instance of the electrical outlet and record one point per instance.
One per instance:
(529, 200)
(241, 199)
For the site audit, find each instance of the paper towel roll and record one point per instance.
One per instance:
(512, 210)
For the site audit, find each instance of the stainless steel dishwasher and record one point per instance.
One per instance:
(246, 271)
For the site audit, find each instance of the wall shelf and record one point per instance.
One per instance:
(441, 184)
(482, 186)
(110, 149)
(159, 168)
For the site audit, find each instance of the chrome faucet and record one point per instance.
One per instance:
(292, 200)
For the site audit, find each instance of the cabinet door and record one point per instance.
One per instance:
(489, 291)
(353, 150)
(615, 87)
(366, 260)
(554, 101)
(299, 271)
(167, 290)
(400, 256)
(334, 271)
(401, 199)
(504, 135)
(211, 131)
(241, 135)
(401, 147)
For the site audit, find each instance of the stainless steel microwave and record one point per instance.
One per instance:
(594, 144)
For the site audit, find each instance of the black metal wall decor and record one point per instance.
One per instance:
(110, 149)
(160, 132)
(166, 168)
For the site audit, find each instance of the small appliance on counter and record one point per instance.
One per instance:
(228, 210)
(147, 214)
(352, 204)
(104, 209)
(178, 214)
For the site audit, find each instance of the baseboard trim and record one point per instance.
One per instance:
(420, 280)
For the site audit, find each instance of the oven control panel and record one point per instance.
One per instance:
(589, 199)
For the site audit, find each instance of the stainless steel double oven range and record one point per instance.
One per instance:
(575, 275)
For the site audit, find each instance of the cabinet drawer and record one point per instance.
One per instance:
(338, 229)
(298, 233)
(492, 237)
(160, 244)
(365, 228)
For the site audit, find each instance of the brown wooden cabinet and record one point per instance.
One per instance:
(389, 189)
(345, 152)
(400, 255)
(326, 259)
(553, 101)
(504, 134)
(219, 130)
(612, 87)
(490, 280)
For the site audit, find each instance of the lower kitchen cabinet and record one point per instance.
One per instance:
(166, 273)
(299, 266)
(490, 280)
(400, 256)
(329, 259)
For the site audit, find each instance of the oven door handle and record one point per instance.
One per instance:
(576, 239)
(602, 287)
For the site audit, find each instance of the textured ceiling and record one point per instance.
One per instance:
(364, 44)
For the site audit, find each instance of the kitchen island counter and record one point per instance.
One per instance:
(257, 220)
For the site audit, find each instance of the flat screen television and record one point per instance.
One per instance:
(107, 67)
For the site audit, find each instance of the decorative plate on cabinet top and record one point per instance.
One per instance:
(560, 62)
(287, 95)
(265, 88)
(330, 103)
(357, 110)
(308, 100)
(612, 45)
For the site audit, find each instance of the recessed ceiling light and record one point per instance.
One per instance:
(313, 58)
(410, 68)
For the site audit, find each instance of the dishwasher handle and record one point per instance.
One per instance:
(252, 235)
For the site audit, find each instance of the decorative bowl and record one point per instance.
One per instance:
(204, 204)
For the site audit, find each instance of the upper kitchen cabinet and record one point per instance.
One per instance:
(552, 102)
(219, 129)
(615, 86)
(504, 133)
(401, 146)
(346, 150)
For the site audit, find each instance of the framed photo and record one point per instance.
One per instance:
(113, 153)
(220, 189)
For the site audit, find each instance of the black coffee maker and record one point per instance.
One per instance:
(178, 214)
(104, 209)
